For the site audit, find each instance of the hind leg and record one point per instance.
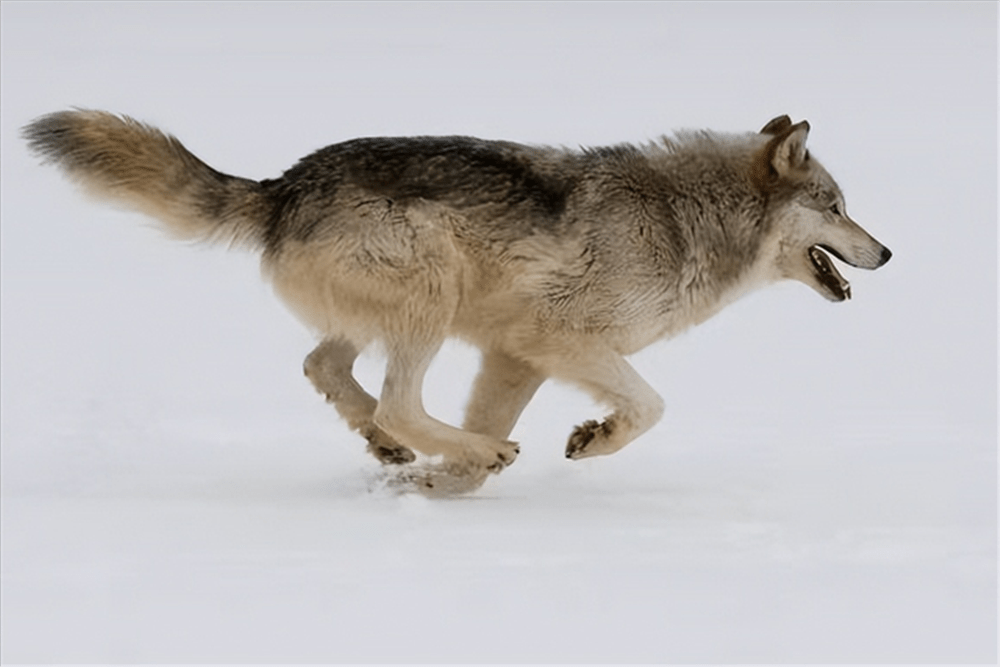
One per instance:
(400, 413)
(502, 390)
(329, 368)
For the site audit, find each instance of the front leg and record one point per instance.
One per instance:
(502, 390)
(610, 380)
(400, 413)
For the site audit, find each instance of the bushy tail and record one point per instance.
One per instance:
(123, 160)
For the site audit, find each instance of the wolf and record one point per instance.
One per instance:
(556, 263)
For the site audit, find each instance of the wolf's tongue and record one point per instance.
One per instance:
(828, 274)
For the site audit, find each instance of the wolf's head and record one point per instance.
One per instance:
(807, 214)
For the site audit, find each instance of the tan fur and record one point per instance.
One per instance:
(556, 264)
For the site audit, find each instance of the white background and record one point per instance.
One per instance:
(822, 487)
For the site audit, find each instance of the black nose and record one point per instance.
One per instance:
(886, 256)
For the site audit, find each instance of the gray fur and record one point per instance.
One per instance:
(556, 263)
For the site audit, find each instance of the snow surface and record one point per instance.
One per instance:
(822, 488)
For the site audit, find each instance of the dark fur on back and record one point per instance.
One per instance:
(457, 172)
(518, 189)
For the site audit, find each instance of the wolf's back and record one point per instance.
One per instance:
(123, 160)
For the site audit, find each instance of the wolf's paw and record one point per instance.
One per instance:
(493, 457)
(453, 475)
(589, 439)
(383, 447)
(506, 454)
(391, 454)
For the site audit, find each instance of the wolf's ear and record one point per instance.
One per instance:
(783, 155)
(790, 152)
(777, 125)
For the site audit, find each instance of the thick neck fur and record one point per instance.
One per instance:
(697, 221)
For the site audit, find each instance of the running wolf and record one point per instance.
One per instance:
(556, 263)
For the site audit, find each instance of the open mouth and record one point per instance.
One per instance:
(838, 289)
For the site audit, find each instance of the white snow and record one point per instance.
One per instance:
(821, 489)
